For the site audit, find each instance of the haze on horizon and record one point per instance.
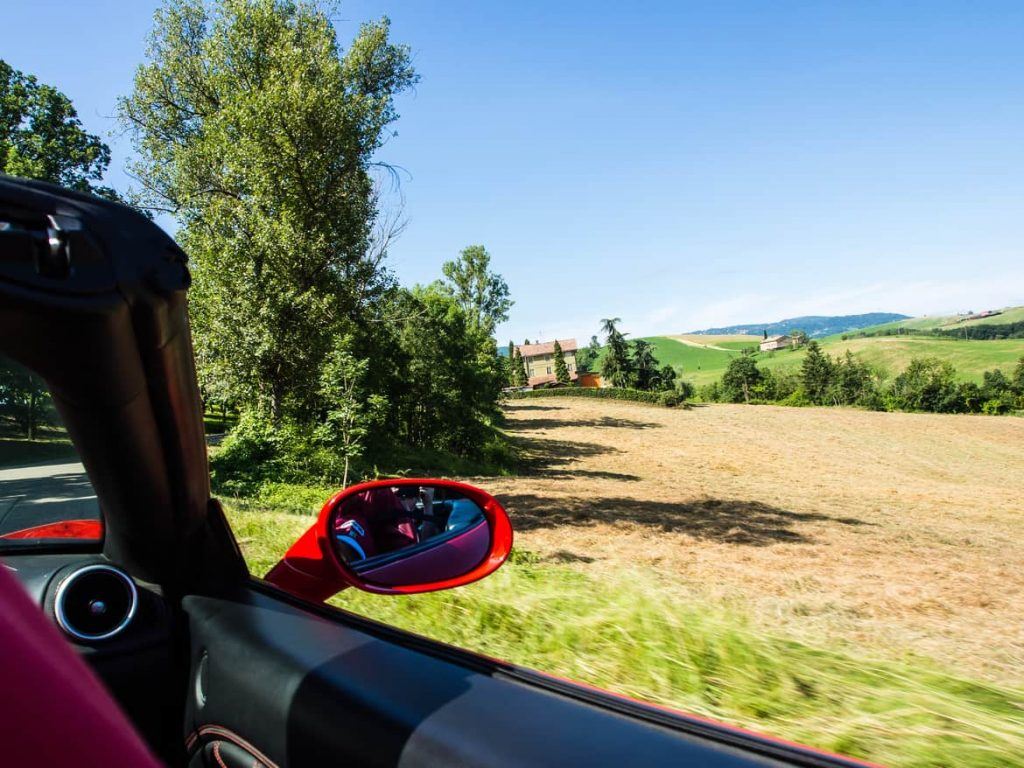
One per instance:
(680, 166)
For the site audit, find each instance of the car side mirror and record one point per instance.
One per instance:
(397, 537)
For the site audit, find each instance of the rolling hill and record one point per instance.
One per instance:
(815, 326)
(702, 357)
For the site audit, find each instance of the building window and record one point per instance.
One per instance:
(549, 370)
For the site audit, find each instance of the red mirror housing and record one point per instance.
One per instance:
(313, 569)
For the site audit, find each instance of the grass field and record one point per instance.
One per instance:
(1009, 315)
(891, 354)
(845, 578)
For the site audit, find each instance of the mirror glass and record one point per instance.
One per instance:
(409, 534)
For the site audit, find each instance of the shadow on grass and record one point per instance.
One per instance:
(509, 407)
(546, 457)
(726, 520)
(603, 422)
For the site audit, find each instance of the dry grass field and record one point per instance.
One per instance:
(897, 534)
(846, 579)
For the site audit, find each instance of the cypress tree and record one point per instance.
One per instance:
(561, 370)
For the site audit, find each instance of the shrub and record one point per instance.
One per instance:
(666, 399)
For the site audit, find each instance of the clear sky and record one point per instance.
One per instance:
(676, 164)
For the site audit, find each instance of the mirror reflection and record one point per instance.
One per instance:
(437, 529)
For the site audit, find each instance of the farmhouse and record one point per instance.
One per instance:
(770, 343)
(540, 361)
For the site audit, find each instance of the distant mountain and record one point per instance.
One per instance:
(814, 326)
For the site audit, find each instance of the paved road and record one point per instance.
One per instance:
(45, 493)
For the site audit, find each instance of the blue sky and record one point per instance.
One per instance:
(676, 164)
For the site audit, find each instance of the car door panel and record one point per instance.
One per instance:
(301, 689)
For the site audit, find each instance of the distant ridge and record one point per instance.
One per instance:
(815, 326)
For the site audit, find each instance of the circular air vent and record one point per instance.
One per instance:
(95, 602)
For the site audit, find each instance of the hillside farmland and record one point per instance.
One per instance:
(703, 359)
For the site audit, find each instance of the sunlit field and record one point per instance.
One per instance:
(845, 578)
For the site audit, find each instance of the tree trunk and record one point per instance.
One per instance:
(31, 411)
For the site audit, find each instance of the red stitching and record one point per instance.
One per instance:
(216, 730)
(216, 754)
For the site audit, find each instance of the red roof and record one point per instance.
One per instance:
(546, 348)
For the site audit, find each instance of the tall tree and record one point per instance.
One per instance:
(816, 373)
(561, 369)
(259, 134)
(519, 376)
(617, 365)
(42, 138)
(482, 294)
(645, 364)
(587, 357)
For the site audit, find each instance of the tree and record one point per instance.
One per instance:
(519, 375)
(617, 365)
(258, 134)
(561, 369)
(450, 395)
(666, 378)
(588, 356)
(42, 138)
(852, 382)
(24, 398)
(1017, 382)
(816, 373)
(927, 384)
(482, 294)
(645, 364)
(351, 414)
(740, 378)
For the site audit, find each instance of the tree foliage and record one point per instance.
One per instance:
(42, 138)
(561, 369)
(257, 132)
(482, 294)
(740, 378)
(816, 374)
(617, 365)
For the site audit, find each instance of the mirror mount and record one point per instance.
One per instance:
(314, 568)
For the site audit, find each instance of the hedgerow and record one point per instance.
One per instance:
(665, 399)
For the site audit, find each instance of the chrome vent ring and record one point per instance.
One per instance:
(95, 602)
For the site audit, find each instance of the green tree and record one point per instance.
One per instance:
(927, 384)
(42, 138)
(816, 374)
(617, 365)
(561, 369)
(645, 365)
(852, 382)
(588, 356)
(1017, 381)
(351, 413)
(24, 398)
(666, 378)
(740, 378)
(519, 376)
(482, 294)
(450, 396)
(259, 134)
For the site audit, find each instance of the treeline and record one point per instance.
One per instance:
(985, 332)
(26, 409)
(632, 364)
(259, 132)
(927, 384)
